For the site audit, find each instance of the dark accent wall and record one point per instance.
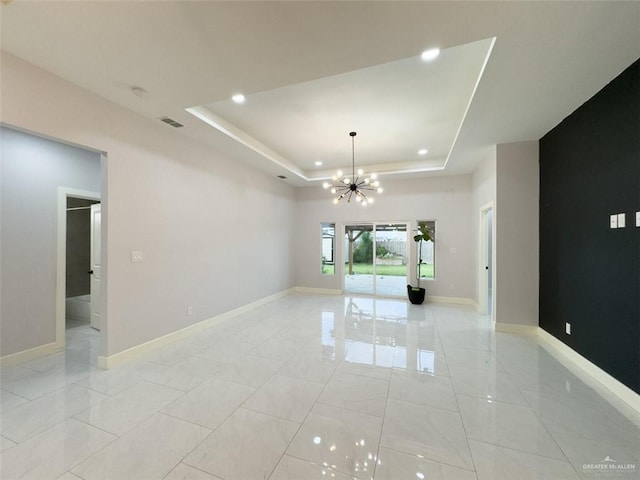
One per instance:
(590, 273)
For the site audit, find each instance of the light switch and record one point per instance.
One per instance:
(136, 256)
(613, 221)
(637, 219)
(622, 220)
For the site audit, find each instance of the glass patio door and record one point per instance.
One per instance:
(391, 259)
(358, 262)
(375, 260)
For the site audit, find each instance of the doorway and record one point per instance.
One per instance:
(376, 258)
(76, 293)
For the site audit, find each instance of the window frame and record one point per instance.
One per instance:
(327, 264)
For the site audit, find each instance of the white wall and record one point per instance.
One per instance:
(32, 170)
(445, 199)
(517, 226)
(194, 214)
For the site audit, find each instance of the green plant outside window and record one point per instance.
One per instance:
(426, 250)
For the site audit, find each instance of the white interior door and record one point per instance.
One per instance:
(95, 266)
(485, 266)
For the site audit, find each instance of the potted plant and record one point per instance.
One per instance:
(416, 294)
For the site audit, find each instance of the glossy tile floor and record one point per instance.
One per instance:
(385, 285)
(313, 387)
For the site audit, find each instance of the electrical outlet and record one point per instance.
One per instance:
(189, 310)
(567, 328)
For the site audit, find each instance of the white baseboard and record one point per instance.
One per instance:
(78, 308)
(453, 300)
(111, 361)
(516, 328)
(428, 298)
(129, 354)
(561, 351)
(320, 291)
(30, 354)
(120, 358)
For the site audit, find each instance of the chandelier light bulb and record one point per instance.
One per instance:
(380, 190)
(326, 185)
(371, 199)
(333, 190)
(360, 171)
(339, 173)
(364, 203)
(346, 181)
(358, 199)
(374, 176)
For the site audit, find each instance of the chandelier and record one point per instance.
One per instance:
(357, 186)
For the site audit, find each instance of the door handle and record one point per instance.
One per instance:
(90, 272)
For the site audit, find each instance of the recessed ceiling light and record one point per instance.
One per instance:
(430, 54)
(423, 151)
(238, 98)
(318, 163)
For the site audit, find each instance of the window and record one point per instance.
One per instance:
(328, 248)
(427, 251)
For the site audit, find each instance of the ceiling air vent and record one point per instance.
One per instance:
(282, 177)
(172, 122)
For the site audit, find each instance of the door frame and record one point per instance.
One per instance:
(483, 259)
(61, 264)
(373, 225)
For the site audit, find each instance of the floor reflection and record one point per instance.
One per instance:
(316, 386)
(381, 333)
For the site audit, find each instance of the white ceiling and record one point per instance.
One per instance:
(396, 108)
(313, 71)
